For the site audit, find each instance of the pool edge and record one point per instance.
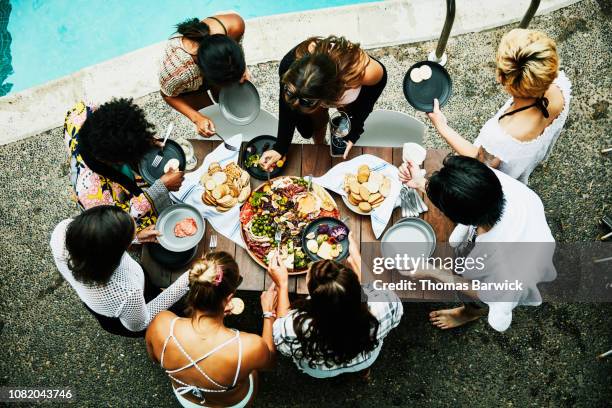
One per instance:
(391, 22)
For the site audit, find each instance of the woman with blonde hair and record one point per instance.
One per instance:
(208, 363)
(316, 75)
(523, 132)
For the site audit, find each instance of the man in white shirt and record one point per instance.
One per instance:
(505, 222)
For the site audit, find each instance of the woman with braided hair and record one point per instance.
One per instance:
(335, 330)
(208, 363)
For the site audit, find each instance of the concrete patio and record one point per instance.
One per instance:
(546, 358)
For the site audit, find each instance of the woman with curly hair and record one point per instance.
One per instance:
(523, 132)
(333, 331)
(318, 74)
(208, 363)
(105, 145)
(202, 56)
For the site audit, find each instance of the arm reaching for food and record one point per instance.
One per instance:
(279, 274)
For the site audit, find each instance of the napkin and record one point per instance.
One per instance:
(334, 180)
(227, 223)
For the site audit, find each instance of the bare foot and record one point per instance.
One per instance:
(451, 318)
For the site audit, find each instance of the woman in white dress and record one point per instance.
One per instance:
(523, 132)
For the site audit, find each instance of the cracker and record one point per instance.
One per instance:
(352, 200)
(364, 192)
(372, 186)
(385, 187)
(219, 177)
(365, 206)
(354, 187)
(375, 197)
(210, 184)
(244, 193)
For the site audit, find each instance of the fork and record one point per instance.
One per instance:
(212, 245)
(403, 202)
(158, 158)
(278, 235)
(227, 145)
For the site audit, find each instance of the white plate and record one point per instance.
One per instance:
(412, 236)
(168, 219)
(240, 103)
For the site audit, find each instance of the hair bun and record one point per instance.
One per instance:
(205, 272)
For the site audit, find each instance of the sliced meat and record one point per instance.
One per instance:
(186, 228)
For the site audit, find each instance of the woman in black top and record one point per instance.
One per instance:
(318, 74)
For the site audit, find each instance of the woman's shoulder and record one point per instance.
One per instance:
(160, 325)
(373, 72)
(232, 23)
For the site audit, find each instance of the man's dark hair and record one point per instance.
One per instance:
(117, 132)
(221, 60)
(96, 240)
(467, 192)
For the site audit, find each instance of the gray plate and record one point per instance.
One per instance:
(411, 236)
(240, 103)
(168, 219)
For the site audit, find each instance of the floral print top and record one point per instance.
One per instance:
(91, 189)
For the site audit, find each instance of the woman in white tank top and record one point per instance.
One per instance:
(523, 132)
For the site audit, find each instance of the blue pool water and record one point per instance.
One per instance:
(53, 38)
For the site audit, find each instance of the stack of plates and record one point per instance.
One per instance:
(413, 237)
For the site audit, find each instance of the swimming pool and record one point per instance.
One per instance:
(53, 38)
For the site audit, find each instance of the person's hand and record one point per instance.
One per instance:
(246, 76)
(204, 125)
(148, 234)
(173, 179)
(269, 299)
(410, 174)
(349, 146)
(437, 117)
(268, 159)
(278, 271)
(354, 258)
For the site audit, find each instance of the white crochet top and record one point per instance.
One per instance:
(123, 295)
(520, 158)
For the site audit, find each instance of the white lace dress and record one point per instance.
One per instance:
(123, 296)
(518, 158)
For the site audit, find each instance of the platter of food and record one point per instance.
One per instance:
(326, 238)
(251, 154)
(284, 203)
(181, 226)
(365, 190)
(225, 187)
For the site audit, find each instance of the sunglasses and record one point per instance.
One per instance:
(304, 102)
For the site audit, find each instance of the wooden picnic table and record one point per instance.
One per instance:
(305, 159)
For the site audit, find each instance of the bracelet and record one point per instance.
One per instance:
(269, 315)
